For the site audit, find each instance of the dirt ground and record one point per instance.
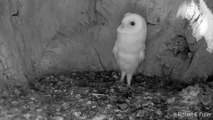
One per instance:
(99, 96)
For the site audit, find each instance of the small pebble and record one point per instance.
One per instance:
(74, 74)
(131, 117)
(27, 115)
(158, 112)
(66, 106)
(89, 102)
(58, 118)
(172, 100)
(99, 117)
(115, 76)
(148, 104)
(120, 116)
(77, 114)
(141, 113)
(39, 117)
(123, 106)
(17, 92)
(32, 98)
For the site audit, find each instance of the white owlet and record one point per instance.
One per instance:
(129, 48)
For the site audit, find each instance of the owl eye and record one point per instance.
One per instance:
(132, 23)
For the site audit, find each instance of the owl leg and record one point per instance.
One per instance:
(122, 76)
(129, 78)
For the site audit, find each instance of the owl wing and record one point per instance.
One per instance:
(115, 50)
(141, 55)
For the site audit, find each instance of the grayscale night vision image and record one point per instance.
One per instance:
(106, 60)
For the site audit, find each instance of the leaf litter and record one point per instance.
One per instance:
(99, 96)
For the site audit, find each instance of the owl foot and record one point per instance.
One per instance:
(129, 79)
(123, 74)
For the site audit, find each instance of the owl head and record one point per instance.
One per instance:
(131, 23)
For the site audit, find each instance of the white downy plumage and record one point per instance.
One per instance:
(201, 20)
(130, 46)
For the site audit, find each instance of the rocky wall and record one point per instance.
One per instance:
(53, 36)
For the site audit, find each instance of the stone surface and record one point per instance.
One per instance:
(39, 37)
